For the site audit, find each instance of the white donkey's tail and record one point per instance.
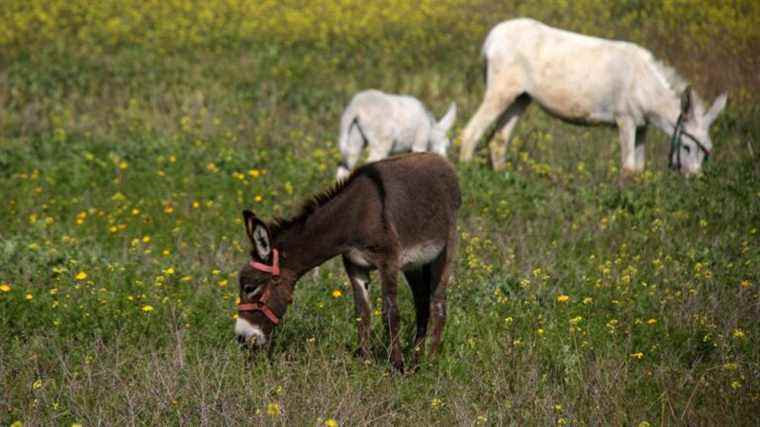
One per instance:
(350, 142)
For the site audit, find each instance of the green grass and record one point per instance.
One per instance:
(574, 300)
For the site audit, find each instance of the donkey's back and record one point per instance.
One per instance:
(576, 77)
(420, 195)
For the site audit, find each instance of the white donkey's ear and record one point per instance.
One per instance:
(688, 102)
(716, 108)
(259, 234)
(447, 121)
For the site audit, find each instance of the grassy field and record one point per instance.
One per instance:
(132, 135)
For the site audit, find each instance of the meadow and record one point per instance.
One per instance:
(133, 133)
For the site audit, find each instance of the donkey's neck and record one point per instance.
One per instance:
(316, 238)
(663, 114)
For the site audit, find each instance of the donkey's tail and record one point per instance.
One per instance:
(349, 147)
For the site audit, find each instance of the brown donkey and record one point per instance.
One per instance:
(397, 214)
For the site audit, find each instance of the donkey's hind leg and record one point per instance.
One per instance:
(505, 127)
(350, 152)
(501, 92)
(359, 278)
(389, 279)
(440, 270)
(419, 282)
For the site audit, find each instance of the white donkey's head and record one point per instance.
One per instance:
(691, 144)
(439, 138)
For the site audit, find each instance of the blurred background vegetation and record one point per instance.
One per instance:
(229, 66)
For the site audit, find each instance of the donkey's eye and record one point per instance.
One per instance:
(249, 289)
(687, 148)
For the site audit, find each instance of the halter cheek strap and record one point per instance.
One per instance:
(676, 144)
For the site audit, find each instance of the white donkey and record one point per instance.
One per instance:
(389, 124)
(588, 80)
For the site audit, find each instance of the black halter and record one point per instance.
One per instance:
(676, 144)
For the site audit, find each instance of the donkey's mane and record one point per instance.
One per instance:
(312, 204)
(676, 82)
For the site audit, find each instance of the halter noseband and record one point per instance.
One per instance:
(676, 144)
(261, 304)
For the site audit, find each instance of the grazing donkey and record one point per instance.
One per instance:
(397, 214)
(389, 124)
(588, 80)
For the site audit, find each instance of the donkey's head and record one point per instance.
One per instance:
(691, 144)
(439, 138)
(265, 290)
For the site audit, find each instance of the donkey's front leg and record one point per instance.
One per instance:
(627, 131)
(391, 318)
(359, 278)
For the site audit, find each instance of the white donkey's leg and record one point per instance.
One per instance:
(627, 131)
(641, 134)
(501, 91)
(501, 142)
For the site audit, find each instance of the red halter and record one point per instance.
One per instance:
(274, 268)
(261, 304)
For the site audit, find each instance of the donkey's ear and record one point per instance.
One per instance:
(447, 121)
(718, 105)
(687, 102)
(259, 234)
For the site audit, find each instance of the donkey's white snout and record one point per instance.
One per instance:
(246, 332)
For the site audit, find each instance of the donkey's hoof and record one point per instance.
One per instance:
(361, 353)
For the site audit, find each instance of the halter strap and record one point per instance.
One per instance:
(262, 307)
(261, 304)
(274, 269)
(676, 144)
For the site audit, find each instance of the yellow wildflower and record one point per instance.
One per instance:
(563, 298)
(273, 409)
(638, 355)
(81, 275)
(331, 423)
(29, 297)
(436, 403)
(652, 322)
(37, 385)
(337, 293)
(147, 308)
(738, 333)
(5, 287)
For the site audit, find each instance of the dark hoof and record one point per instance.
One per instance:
(361, 353)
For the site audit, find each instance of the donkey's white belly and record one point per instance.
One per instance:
(419, 255)
(410, 258)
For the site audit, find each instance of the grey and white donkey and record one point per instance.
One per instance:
(389, 124)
